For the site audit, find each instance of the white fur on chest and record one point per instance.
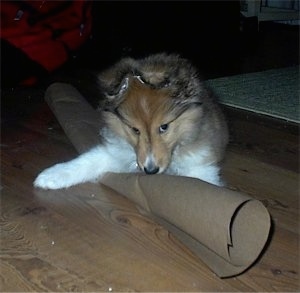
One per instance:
(121, 155)
(195, 164)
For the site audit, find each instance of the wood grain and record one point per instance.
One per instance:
(88, 238)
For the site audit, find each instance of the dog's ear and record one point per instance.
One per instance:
(174, 73)
(114, 81)
(155, 70)
(115, 91)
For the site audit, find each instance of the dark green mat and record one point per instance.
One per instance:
(273, 92)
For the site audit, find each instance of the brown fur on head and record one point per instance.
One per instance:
(157, 71)
(156, 104)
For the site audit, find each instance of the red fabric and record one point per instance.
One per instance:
(46, 30)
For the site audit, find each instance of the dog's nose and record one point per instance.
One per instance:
(151, 170)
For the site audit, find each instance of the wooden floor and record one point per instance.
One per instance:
(85, 240)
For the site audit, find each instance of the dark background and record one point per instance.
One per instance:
(212, 34)
(199, 30)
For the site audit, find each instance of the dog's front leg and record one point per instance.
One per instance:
(87, 167)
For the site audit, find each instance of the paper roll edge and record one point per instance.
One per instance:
(250, 230)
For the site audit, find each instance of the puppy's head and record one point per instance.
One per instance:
(154, 104)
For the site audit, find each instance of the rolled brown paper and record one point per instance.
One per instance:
(226, 229)
(78, 118)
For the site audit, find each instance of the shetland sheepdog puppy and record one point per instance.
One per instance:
(158, 118)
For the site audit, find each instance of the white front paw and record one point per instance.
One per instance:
(58, 176)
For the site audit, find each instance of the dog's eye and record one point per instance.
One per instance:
(163, 128)
(135, 130)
